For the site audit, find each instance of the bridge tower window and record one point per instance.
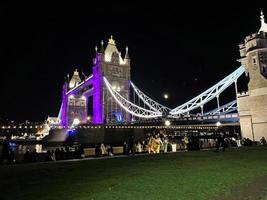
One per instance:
(254, 61)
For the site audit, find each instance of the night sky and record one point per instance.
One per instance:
(178, 49)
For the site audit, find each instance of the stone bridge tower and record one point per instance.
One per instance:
(109, 63)
(76, 92)
(252, 105)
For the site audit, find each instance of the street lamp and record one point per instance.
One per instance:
(218, 124)
(167, 123)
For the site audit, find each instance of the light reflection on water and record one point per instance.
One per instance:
(21, 148)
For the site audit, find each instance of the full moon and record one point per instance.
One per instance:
(166, 96)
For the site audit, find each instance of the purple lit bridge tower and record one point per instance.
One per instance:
(77, 95)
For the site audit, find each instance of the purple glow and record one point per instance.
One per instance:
(64, 117)
(97, 93)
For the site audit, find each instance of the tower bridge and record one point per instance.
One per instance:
(109, 96)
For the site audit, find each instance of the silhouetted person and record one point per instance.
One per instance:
(109, 150)
(53, 158)
(125, 148)
(6, 150)
(263, 141)
(48, 156)
(98, 150)
(57, 154)
(81, 152)
(33, 156)
(220, 142)
(76, 153)
(67, 154)
(131, 145)
(27, 155)
(62, 154)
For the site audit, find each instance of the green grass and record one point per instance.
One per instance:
(189, 175)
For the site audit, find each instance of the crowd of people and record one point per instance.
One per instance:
(154, 143)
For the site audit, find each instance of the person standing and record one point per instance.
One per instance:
(165, 144)
(125, 148)
(131, 145)
(6, 150)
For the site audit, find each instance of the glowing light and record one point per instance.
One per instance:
(148, 101)
(71, 96)
(83, 97)
(72, 132)
(209, 94)
(76, 121)
(97, 98)
(167, 123)
(166, 96)
(218, 124)
(88, 118)
(130, 108)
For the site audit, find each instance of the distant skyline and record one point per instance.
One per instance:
(176, 50)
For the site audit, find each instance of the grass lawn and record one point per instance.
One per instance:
(189, 175)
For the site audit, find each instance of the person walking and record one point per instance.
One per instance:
(6, 150)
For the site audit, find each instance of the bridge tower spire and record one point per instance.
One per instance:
(252, 104)
(263, 24)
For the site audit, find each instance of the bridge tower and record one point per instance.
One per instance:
(252, 105)
(109, 63)
(74, 105)
(76, 92)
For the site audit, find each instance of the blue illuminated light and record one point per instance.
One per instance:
(72, 132)
(119, 117)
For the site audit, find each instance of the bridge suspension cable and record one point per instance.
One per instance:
(148, 101)
(129, 106)
(224, 109)
(208, 95)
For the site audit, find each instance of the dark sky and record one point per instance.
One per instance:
(178, 49)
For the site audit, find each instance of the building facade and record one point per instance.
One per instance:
(252, 105)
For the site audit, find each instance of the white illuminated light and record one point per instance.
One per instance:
(131, 108)
(148, 101)
(76, 121)
(118, 89)
(166, 96)
(90, 77)
(71, 96)
(218, 124)
(88, 118)
(209, 94)
(167, 123)
(83, 97)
